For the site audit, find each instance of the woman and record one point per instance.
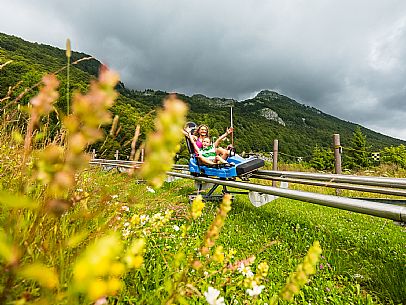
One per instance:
(202, 132)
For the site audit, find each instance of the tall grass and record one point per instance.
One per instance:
(68, 237)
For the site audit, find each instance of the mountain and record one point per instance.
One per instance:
(257, 121)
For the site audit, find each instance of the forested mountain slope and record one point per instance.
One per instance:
(257, 121)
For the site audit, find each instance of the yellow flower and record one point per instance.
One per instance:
(219, 254)
(299, 278)
(197, 207)
(97, 289)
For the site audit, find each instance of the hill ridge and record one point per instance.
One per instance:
(257, 121)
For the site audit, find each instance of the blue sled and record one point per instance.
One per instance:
(241, 168)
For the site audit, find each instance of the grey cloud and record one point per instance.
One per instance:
(347, 58)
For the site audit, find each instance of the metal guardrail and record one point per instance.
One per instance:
(389, 211)
(352, 187)
(384, 210)
(330, 178)
(364, 180)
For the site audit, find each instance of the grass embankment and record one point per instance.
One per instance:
(363, 256)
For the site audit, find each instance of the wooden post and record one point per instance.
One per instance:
(337, 153)
(275, 159)
(116, 155)
(337, 157)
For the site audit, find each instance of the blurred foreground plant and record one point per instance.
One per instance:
(96, 244)
(163, 144)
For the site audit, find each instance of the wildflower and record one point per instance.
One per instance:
(219, 254)
(214, 230)
(300, 277)
(163, 144)
(134, 256)
(245, 270)
(125, 208)
(126, 224)
(150, 189)
(197, 207)
(93, 271)
(256, 290)
(144, 219)
(176, 228)
(101, 301)
(197, 265)
(212, 295)
(42, 104)
(262, 269)
(114, 196)
(126, 232)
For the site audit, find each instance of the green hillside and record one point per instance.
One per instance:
(257, 121)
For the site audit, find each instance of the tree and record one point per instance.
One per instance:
(358, 155)
(322, 159)
(395, 155)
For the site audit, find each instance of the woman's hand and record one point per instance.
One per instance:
(229, 130)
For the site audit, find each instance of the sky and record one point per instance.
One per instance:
(344, 57)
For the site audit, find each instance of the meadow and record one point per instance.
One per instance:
(74, 234)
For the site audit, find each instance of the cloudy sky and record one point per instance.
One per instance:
(344, 57)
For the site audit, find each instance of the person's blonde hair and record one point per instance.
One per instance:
(197, 131)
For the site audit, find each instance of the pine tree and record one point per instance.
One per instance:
(322, 159)
(358, 155)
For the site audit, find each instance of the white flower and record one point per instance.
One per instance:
(206, 273)
(256, 290)
(144, 219)
(79, 190)
(114, 196)
(101, 301)
(245, 270)
(126, 232)
(176, 228)
(212, 295)
(150, 189)
(157, 217)
(125, 208)
(126, 224)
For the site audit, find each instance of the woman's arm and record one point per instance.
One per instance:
(193, 141)
(223, 136)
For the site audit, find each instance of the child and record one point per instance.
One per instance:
(207, 154)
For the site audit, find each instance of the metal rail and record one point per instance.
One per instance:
(355, 183)
(351, 187)
(350, 179)
(363, 180)
(389, 211)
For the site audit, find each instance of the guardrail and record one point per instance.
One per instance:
(389, 211)
(384, 210)
(379, 185)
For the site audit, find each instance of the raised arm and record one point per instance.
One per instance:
(192, 140)
(223, 136)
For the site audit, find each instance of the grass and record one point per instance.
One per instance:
(363, 256)
(70, 235)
